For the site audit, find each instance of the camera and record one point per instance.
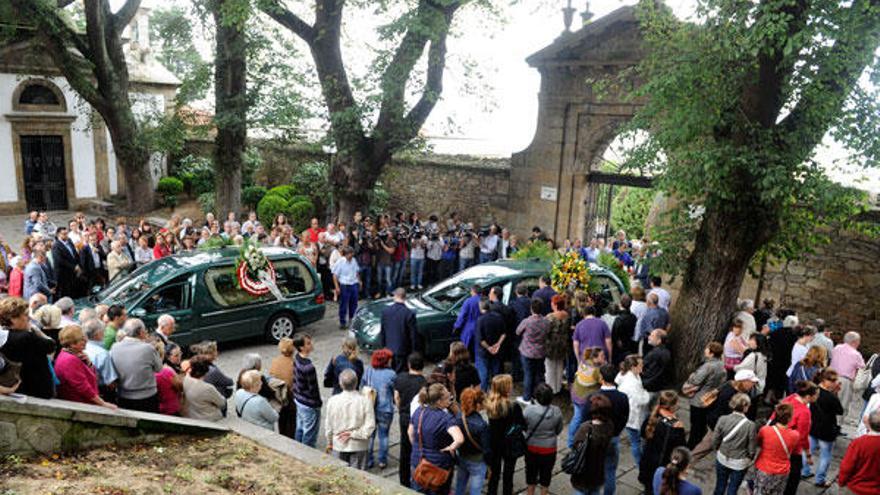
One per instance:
(383, 234)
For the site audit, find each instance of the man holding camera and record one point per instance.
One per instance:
(488, 244)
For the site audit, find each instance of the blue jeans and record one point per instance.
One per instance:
(533, 374)
(464, 263)
(397, 273)
(487, 367)
(470, 477)
(416, 271)
(486, 257)
(726, 477)
(612, 458)
(825, 449)
(576, 419)
(385, 283)
(307, 423)
(635, 444)
(367, 279)
(383, 424)
(348, 302)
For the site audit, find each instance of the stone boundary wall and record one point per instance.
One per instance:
(31, 426)
(477, 188)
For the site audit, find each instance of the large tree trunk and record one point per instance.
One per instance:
(352, 178)
(231, 105)
(723, 248)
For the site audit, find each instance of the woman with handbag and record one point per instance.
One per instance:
(434, 437)
(594, 436)
(543, 426)
(775, 442)
(474, 453)
(661, 433)
(735, 346)
(506, 426)
(381, 377)
(630, 383)
(734, 440)
(707, 378)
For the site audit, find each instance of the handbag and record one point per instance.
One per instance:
(863, 376)
(428, 475)
(575, 461)
(11, 372)
(709, 397)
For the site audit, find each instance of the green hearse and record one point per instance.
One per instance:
(437, 307)
(201, 291)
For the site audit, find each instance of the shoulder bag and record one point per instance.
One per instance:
(575, 461)
(779, 435)
(514, 439)
(428, 475)
(863, 376)
(467, 433)
(709, 397)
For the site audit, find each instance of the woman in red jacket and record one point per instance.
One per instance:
(77, 377)
(776, 444)
(16, 277)
(801, 420)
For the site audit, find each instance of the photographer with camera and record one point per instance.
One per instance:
(363, 235)
(470, 242)
(434, 248)
(418, 247)
(488, 243)
(385, 247)
(401, 253)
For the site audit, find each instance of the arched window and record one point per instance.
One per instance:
(38, 95)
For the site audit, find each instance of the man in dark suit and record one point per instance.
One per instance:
(545, 292)
(93, 261)
(398, 332)
(66, 261)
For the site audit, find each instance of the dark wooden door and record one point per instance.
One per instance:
(45, 181)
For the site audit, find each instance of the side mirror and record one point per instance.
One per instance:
(138, 313)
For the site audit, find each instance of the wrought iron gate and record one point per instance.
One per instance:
(45, 180)
(600, 194)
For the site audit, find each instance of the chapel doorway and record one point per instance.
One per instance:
(45, 180)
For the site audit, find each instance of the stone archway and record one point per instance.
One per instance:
(579, 115)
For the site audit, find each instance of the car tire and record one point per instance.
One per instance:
(282, 325)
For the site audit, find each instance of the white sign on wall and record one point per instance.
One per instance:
(548, 193)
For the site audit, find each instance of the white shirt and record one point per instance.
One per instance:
(488, 244)
(505, 248)
(663, 297)
(631, 385)
(346, 271)
(797, 353)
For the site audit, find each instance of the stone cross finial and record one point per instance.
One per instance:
(568, 16)
(586, 15)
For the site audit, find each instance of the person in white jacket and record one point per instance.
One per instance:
(349, 422)
(629, 382)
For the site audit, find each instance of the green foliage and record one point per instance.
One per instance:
(737, 102)
(536, 250)
(629, 210)
(215, 242)
(197, 174)
(299, 214)
(269, 207)
(285, 192)
(172, 36)
(613, 264)
(312, 179)
(206, 202)
(251, 196)
(170, 188)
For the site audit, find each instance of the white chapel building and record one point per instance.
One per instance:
(55, 152)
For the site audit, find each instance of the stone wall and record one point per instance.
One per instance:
(429, 184)
(839, 283)
(34, 426)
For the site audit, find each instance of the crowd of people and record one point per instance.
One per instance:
(461, 422)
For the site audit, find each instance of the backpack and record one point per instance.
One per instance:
(558, 339)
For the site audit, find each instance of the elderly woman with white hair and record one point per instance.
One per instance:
(117, 261)
(745, 314)
(100, 357)
(250, 405)
(847, 361)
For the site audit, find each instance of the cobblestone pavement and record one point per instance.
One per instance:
(328, 339)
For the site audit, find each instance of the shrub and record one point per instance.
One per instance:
(251, 196)
(206, 202)
(197, 173)
(270, 206)
(170, 188)
(299, 214)
(629, 210)
(286, 192)
(535, 249)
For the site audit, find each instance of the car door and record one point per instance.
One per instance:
(174, 298)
